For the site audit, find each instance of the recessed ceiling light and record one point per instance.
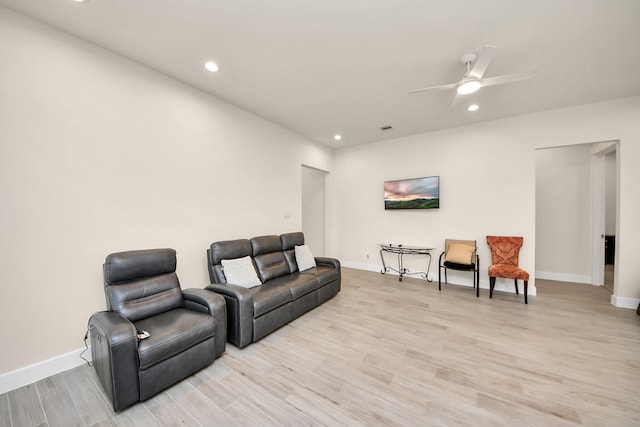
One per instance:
(81, 1)
(212, 66)
(468, 87)
(337, 137)
(473, 107)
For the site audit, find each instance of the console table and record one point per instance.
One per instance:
(401, 251)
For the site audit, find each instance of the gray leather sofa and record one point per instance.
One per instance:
(285, 293)
(187, 328)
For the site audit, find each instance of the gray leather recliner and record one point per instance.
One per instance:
(187, 329)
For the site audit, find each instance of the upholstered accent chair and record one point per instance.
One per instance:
(505, 251)
(187, 329)
(461, 255)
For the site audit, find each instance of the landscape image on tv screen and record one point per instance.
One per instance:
(414, 193)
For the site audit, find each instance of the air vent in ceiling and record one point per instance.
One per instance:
(385, 128)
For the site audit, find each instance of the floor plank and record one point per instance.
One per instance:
(5, 413)
(25, 407)
(57, 403)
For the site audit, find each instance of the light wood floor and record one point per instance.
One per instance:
(385, 352)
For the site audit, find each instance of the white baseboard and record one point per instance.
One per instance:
(361, 266)
(622, 302)
(378, 269)
(563, 277)
(38, 371)
(501, 285)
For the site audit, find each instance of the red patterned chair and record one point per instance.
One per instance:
(504, 262)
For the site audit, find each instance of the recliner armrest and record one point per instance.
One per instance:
(114, 342)
(239, 312)
(209, 302)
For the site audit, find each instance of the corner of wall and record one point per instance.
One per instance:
(622, 302)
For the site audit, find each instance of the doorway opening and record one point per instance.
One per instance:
(576, 204)
(314, 209)
(605, 207)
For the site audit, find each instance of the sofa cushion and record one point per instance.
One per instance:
(271, 265)
(298, 283)
(323, 274)
(269, 258)
(290, 257)
(171, 333)
(268, 297)
(304, 258)
(289, 242)
(228, 249)
(241, 272)
(265, 244)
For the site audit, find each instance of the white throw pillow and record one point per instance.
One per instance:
(240, 271)
(304, 258)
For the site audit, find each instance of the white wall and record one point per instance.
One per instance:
(480, 178)
(563, 213)
(99, 154)
(487, 176)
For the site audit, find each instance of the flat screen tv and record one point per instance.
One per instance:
(414, 193)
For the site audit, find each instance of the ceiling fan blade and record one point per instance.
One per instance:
(482, 63)
(435, 88)
(507, 78)
(456, 100)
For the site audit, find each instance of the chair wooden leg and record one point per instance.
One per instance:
(477, 276)
(526, 284)
(476, 283)
(492, 283)
(516, 282)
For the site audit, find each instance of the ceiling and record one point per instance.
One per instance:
(333, 66)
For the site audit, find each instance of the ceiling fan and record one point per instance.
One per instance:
(474, 78)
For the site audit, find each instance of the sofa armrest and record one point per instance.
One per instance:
(334, 263)
(209, 302)
(329, 262)
(239, 312)
(114, 342)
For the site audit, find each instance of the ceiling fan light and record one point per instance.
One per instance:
(212, 66)
(468, 87)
